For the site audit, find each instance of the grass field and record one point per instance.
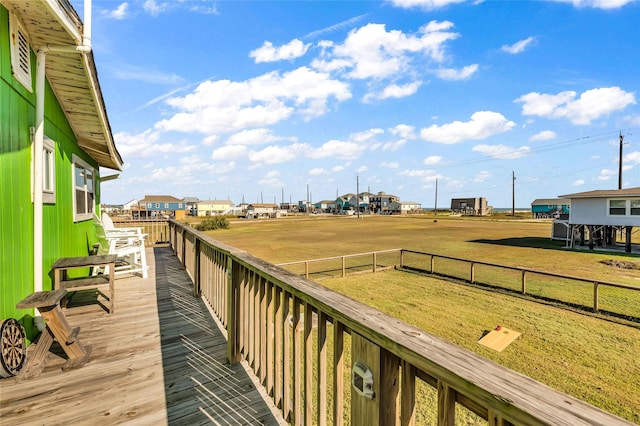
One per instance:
(589, 358)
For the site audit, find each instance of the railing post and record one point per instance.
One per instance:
(184, 248)
(233, 311)
(197, 289)
(446, 404)
(524, 282)
(472, 273)
(596, 289)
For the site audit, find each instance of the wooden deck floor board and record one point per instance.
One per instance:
(158, 359)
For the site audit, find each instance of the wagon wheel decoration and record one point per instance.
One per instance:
(13, 346)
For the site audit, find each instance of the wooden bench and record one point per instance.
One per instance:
(48, 304)
(61, 279)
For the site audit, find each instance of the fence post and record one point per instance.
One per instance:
(524, 282)
(473, 270)
(343, 267)
(596, 289)
(374, 262)
(402, 258)
(432, 264)
(233, 311)
(306, 269)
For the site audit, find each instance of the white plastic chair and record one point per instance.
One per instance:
(127, 243)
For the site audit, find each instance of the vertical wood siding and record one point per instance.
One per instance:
(62, 237)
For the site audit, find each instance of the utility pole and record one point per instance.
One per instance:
(435, 206)
(620, 162)
(358, 195)
(513, 193)
(261, 199)
(307, 206)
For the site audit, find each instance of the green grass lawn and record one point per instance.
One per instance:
(590, 358)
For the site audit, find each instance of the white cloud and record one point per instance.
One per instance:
(395, 91)
(373, 52)
(502, 152)
(456, 74)
(337, 169)
(271, 179)
(144, 74)
(432, 160)
(591, 105)
(519, 46)
(607, 174)
(578, 182)
(633, 120)
(598, 4)
(275, 154)
(632, 157)
(146, 144)
(482, 176)
(224, 106)
(544, 135)
(153, 8)
(339, 149)
(252, 137)
(229, 152)
(390, 165)
(317, 171)
(121, 12)
(268, 53)
(482, 125)
(424, 4)
(365, 136)
(405, 131)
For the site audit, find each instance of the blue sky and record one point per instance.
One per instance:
(233, 99)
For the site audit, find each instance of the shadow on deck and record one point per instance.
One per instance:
(160, 358)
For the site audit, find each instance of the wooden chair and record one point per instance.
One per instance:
(126, 243)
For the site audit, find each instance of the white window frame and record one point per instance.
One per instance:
(49, 171)
(626, 207)
(20, 52)
(88, 203)
(631, 206)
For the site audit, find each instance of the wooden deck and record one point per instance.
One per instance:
(159, 359)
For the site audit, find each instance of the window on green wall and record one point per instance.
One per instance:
(83, 193)
(49, 171)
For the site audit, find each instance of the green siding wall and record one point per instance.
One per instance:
(62, 237)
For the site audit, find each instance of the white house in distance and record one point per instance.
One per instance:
(602, 214)
(404, 207)
(213, 207)
(261, 210)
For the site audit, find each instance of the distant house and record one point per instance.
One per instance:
(543, 208)
(325, 205)
(190, 205)
(346, 202)
(128, 205)
(55, 138)
(163, 205)
(213, 207)
(261, 210)
(404, 207)
(470, 206)
(599, 216)
(381, 202)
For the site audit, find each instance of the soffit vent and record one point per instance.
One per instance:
(20, 53)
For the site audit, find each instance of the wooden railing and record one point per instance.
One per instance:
(156, 230)
(301, 340)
